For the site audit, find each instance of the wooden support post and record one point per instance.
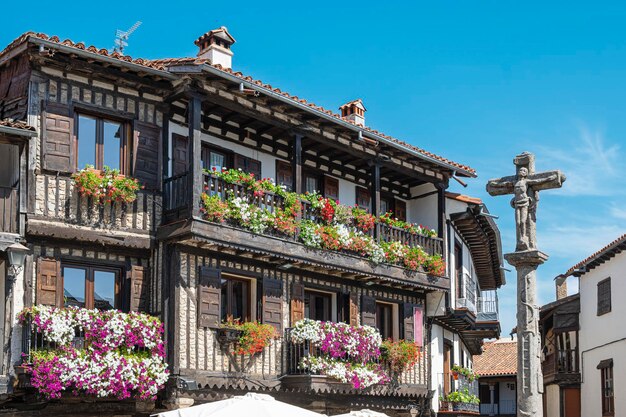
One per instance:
(195, 162)
(375, 193)
(375, 190)
(441, 217)
(297, 163)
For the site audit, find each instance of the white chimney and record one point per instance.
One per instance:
(215, 46)
(354, 111)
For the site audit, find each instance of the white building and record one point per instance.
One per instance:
(602, 283)
(470, 313)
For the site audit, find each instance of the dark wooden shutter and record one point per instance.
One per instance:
(58, 138)
(180, 152)
(297, 302)
(273, 303)
(209, 297)
(363, 199)
(368, 310)
(49, 282)
(400, 210)
(147, 154)
(354, 309)
(139, 298)
(284, 174)
(331, 187)
(408, 321)
(604, 296)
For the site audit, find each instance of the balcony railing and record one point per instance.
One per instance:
(563, 361)
(417, 375)
(8, 209)
(466, 295)
(487, 306)
(176, 198)
(504, 407)
(59, 200)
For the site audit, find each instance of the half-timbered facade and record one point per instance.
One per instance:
(173, 123)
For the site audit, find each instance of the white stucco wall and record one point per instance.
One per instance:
(553, 401)
(423, 210)
(603, 337)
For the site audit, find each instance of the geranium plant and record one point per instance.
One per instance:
(254, 336)
(400, 355)
(122, 357)
(329, 224)
(106, 186)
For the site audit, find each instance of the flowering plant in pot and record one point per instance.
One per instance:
(122, 355)
(106, 186)
(346, 353)
(400, 355)
(251, 336)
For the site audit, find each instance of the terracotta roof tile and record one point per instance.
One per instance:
(163, 64)
(16, 124)
(499, 358)
(463, 198)
(79, 45)
(612, 248)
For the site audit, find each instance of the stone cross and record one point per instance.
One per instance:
(525, 187)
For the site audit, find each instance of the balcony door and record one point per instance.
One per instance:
(458, 263)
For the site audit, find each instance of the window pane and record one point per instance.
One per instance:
(74, 286)
(218, 161)
(311, 185)
(86, 141)
(240, 300)
(112, 143)
(384, 206)
(104, 290)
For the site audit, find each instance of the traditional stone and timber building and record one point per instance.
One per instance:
(168, 122)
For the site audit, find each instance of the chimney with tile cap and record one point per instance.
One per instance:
(215, 46)
(354, 111)
(560, 283)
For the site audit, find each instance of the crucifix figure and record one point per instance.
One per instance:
(525, 187)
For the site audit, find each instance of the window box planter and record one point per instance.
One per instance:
(227, 335)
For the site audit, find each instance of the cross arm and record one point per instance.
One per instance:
(547, 180)
(501, 186)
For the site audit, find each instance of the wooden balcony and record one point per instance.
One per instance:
(61, 212)
(561, 366)
(9, 197)
(176, 196)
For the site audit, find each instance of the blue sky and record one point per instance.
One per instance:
(477, 82)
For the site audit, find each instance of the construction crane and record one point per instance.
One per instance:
(121, 38)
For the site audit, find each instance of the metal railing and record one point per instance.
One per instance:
(296, 352)
(8, 209)
(466, 295)
(487, 306)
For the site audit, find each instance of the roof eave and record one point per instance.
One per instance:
(110, 60)
(357, 129)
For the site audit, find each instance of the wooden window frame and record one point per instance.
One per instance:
(604, 306)
(206, 149)
(307, 173)
(118, 302)
(228, 300)
(326, 182)
(331, 296)
(607, 386)
(126, 148)
(284, 164)
(391, 321)
(359, 190)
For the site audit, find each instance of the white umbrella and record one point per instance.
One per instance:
(251, 404)
(362, 413)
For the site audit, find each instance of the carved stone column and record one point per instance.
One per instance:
(529, 375)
